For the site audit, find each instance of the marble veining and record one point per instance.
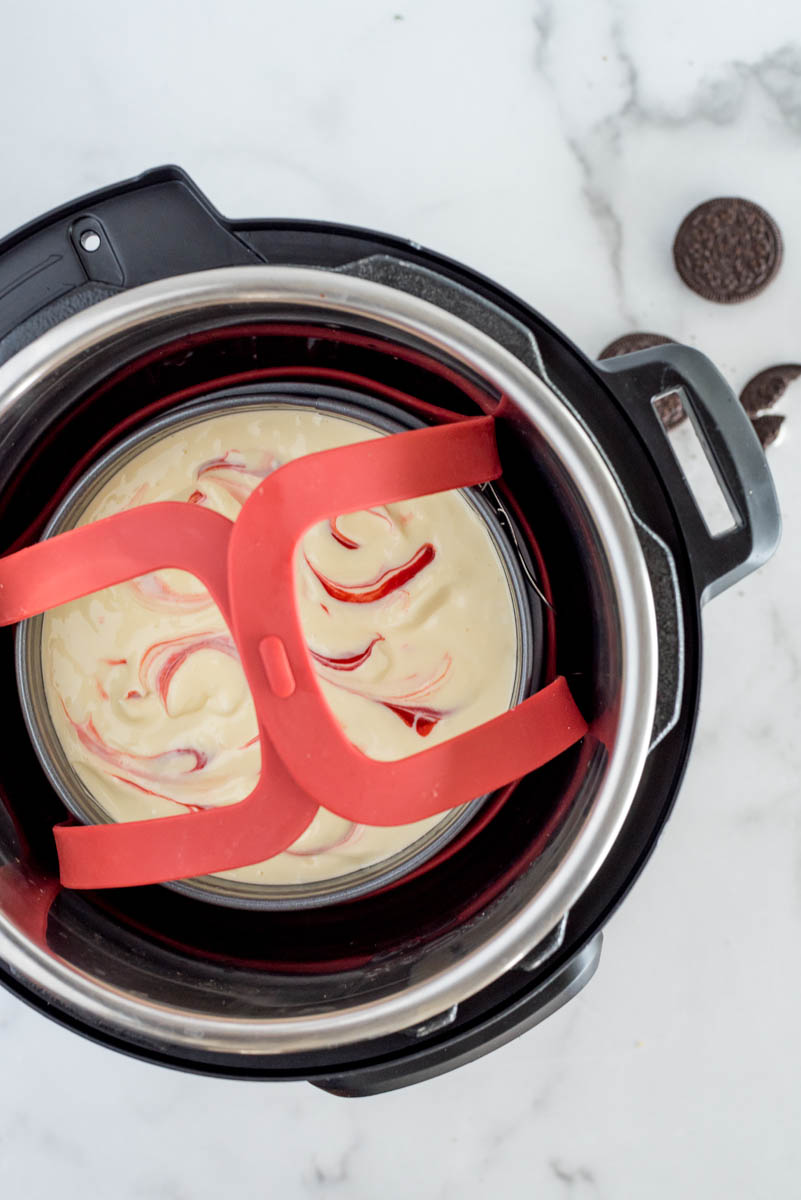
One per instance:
(555, 146)
(595, 133)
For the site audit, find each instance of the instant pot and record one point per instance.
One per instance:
(129, 304)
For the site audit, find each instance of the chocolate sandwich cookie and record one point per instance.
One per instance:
(762, 392)
(727, 249)
(767, 387)
(669, 407)
(767, 427)
(629, 342)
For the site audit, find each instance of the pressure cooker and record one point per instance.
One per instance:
(121, 308)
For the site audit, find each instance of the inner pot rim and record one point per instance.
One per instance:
(220, 297)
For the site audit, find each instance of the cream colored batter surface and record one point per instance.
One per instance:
(143, 681)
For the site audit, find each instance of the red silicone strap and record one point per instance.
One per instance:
(248, 568)
(267, 821)
(261, 556)
(118, 548)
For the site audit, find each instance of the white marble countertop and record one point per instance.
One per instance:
(555, 147)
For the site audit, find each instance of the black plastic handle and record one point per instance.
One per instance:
(732, 448)
(135, 232)
(474, 1039)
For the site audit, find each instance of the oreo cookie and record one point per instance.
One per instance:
(670, 409)
(767, 387)
(761, 393)
(629, 342)
(767, 427)
(727, 249)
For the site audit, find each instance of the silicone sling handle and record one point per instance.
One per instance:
(248, 568)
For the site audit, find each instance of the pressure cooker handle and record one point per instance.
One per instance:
(731, 446)
(451, 1043)
(147, 228)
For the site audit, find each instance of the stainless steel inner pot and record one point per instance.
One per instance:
(405, 988)
(360, 410)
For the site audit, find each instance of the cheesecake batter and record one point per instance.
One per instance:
(406, 609)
